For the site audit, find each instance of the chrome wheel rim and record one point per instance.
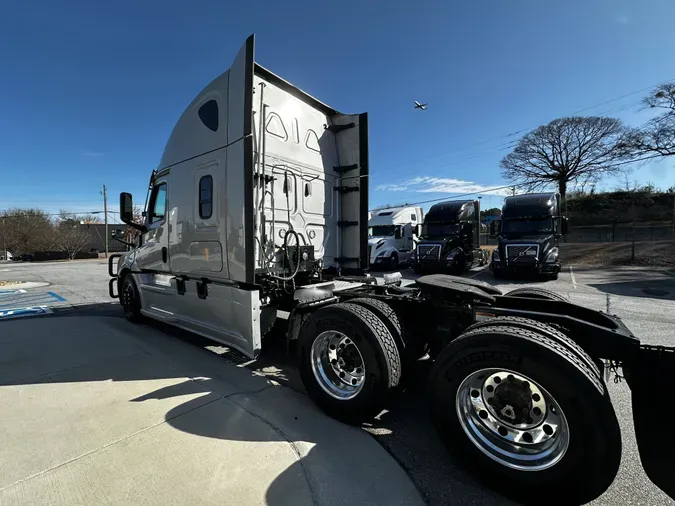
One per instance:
(337, 365)
(512, 419)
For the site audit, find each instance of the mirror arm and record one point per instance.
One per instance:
(142, 228)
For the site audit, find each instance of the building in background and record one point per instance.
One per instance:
(96, 232)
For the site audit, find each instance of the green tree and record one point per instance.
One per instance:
(26, 230)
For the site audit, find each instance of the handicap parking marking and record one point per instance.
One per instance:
(57, 297)
(29, 299)
(24, 311)
(11, 292)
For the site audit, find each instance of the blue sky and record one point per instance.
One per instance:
(89, 91)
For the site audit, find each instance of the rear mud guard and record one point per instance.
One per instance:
(651, 377)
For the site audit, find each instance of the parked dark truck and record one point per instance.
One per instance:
(258, 211)
(449, 240)
(528, 231)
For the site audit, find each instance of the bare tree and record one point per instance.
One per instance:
(130, 232)
(657, 136)
(572, 150)
(71, 237)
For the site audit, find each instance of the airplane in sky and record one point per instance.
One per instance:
(420, 106)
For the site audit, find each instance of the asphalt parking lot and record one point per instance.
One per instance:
(643, 297)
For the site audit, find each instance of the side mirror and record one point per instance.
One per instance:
(495, 228)
(127, 211)
(563, 225)
(126, 208)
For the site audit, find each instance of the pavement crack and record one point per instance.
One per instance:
(305, 473)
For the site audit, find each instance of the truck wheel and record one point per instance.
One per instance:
(388, 316)
(408, 354)
(393, 261)
(536, 293)
(349, 361)
(527, 414)
(130, 299)
(549, 330)
(553, 276)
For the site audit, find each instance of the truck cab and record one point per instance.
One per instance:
(260, 188)
(449, 240)
(393, 235)
(528, 236)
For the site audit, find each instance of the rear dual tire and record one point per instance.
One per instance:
(536, 293)
(349, 361)
(583, 418)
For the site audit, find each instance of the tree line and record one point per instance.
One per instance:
(32, 230)
(578, 151)
(35, 230)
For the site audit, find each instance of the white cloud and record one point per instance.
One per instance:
(442, 185)
(392, 187)
(92, 153)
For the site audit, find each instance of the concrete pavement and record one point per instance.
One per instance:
(99, 411)
(405, 431)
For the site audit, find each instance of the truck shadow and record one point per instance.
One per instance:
(253, 410)
(405, 430)
(627, 282)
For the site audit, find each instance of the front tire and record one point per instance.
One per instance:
(130, 299)
(527, 414)
(349, 361)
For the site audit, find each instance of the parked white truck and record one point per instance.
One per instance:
(259, 207)
(393, 234)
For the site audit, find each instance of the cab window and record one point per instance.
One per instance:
(158, 204)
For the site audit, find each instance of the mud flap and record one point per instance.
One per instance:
(651, 378)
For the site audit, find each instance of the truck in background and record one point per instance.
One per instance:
(258, 212)
(393, 235)
(450, 238)
(528, 236)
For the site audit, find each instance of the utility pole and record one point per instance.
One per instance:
(4, 238)
(105, 210)
(480, 223)
(632, 248)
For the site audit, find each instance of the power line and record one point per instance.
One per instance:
(457, 196)
(515, 185)
(523, 130)
(53, 214)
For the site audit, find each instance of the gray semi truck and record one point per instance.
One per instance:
(450, 239)
(528, 234)
(258, 212)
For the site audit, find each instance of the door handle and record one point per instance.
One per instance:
(165, 255)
